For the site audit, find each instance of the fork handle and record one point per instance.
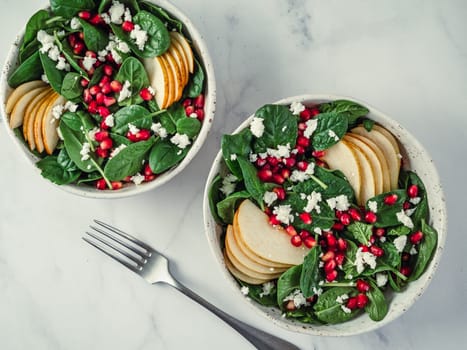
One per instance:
(261, 340)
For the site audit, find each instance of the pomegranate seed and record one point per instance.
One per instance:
(306, 218)
(147, 170)
(72, 40)
(303, 141)
(305, 114)
(355, 214)
(103, 125)
(406, 205)
(102, 153)
(145, 94)
(302, 165)
(128, 26)
(352, 303)
(100, 98)
(296, 241)
(116, 185)
(345, 219)
(328, 256)
(143, 134)
(260, 162)
(91, 54)
(104, 80)
(200, 114)
(109, 58)
(364, 248)
(362, 300)
(320, 163)
(338, 226)
(314, 111)
(302, 126)
(78, 48)
(370, 217)
(278, 179)
(148, 178)
(106, 89)
(331, 240)
(103, 111)
(376, 251)
(416, 237)
(108, 70)
(106, 143)
(380, 232)
(101, 135)
(412, 191)
(290, 305)
(81, 35)
(300, 149)
(291, 230)
(330, 265)
(405, 257)
(405, 270)
(116, 86)
(87, 96)
(127, 179)
(199, 101)
(304, 234)
(340, 259)
(273, 161)
(318, 154)
(289, 162)
(285, 173)
(94, 90)
(97, 64)
(390, 199)
(280, 192)
(96, 20)
(187, 102)
(331, 276)
(363, 286)
(309, 242)
(101, 184)
(132, 137)
(189, 110)
(273, 220)
(109, 101)
(84, 82)
(92, 107)
(84, 15)
(341, 244)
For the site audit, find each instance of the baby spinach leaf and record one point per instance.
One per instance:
(368, 124)
(256, 293)
(214, 197)
(304, 315)
(328, 310)
(330, 129)
(189, 127)
(119, 140)
(387, 214)
(391, 256)
(252, 183)
(236, 145)
(28, 50)
(132, 70)
(426, 249)
(399, 231)
(421, 210)
(54, 75)
(66, 50)
(171, 116)
(30, 69)
(59, 169)
(132, 4)
(280, 128)
(69, 8)
(64, 160)
(134, 114)
(78, 121)
(91, 177)
(195, 85)
(71, 87)
(128, 161)
(95, 38)
(351, 110)
(35, 23)
(377, 307)
(287, 283)
(350, 256)
(360, 231)
(164, 155)
(74, 141)
(336, 183)
(163, 15)
(310, 276)
(158, 36)
(226, 207)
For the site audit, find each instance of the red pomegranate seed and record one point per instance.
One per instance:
(148, 178)
(412, 191)
(100, 98)
(328, 256)
(309, 241)
(101, 136)
(128, 26)
(372, 239)
(355, 214)
(280, 192)
(331, 276)
(390, 199)
(78, 48)
(303, 141)
(108, 70)
(362, 300)
(379, 231)
(338, 226)
(364, 248)
(285, 173)
(291, 230)
(72, 39)
(405, 257)
(109, 101)
(96, 20)
(94, 90)
(352, 303)
(103, 125)
(273, 220)
(304, 234)
(302, 126)
(300, 149)
(127, 179)
(106, 143)
(143, 134)
(345, 219)
(132, 137)
(81, 35)
(106, 89)
(416, 237)
(340, 258)
(84, 82)
(189, 110)
(331, 240)
(406, 205)
(200, 114)
(104, 80)
(145, 94)
(341, 244)
(405, 270)
(306, 218)
(84, 15)
(370, 217)
(92, 107)
(87, 96)
(101, 184)
(302, 165)
(296, 241)
(187, 102)
(116, 185)
(273, 161)
(278, 179)
(314, 111)
(103, 111)
(289, 162)
(199, 101)
(362, 286)
(147, 170)
(318, 154)
(116, 86)
(102, 153)
(330, 265)
(376, 251)
(305, 114)
(91, 54)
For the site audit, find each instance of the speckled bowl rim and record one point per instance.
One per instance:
(400, 302)
(130, 190)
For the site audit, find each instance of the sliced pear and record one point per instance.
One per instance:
(343, 157)
(372, 159)
(177, 75)
(171, 79)
(368, 188)
(34, 102)
(38, 122)
(240, 275)
(29, 127)
(388, 150)
(49, 126)
(158, 78)
(271, 243)
(235, 253)
(21, 90)
(174, 51)
(178, 47)
(187, 48)
(389, 136)
(19, 109)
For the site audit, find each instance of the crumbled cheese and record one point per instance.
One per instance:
(57, 111)
(318, 231)
(364, 258)
(284, 128)
(413, 250)
(228, 184)
(159, 130)
(151, 90)
(74, 23)
(409, 212)
(311, 126)
(404, 219)
(46, 40)
(137, 179)
(373, 206)
(298, 298)
(340, 202)
(193, 115)
(296, 107)
(125, 92)
(117, 150)
(313, 200)
(283, 213)
(88, 62)
(346, 309)
(300, 176)
(267, 288)
(140, 36)
(110, 121)
(85, 151)
(317, 291)
(54, 53)
(44, 78)
(415, 200)
(342, 298)
(122, 46)
(253, 157)
(381, 279)
(269, 198)
(257, 127)
(127, 15)
(132, 129)
(180, 140)
(400, 242)
(282, 151)
(245, 290)
(263, 155)
(92, 133)
(70, 106)
(382, 239)
(106, 18)
(116, 12)
(62, 64)
(333, 135)
(233, 157)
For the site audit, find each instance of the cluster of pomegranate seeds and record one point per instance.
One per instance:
(194, 107)
(334, 248)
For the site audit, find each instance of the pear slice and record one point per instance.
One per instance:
(49, 125)
(389, 136)
(171, 80)
(31, 106)
(271, 243)
(173, 50)
(388, 150)
(235, 253)
(372, 159)
(20, 91)
(158, 79)
(29, 127)
(184, 59)
(177, 75)
(240, 275)
(38, 122)
(187, 48)
(342, 156)
(382, 160)
(368, 188)
(19, 110)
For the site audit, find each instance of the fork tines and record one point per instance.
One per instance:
(119, 245)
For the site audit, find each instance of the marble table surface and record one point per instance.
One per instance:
(407, 58)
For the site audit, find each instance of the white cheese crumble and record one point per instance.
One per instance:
(110, 121)
(364, 258)
(415, 200)
(228, 184)
(381, 279)
(54, 53)
(88, 62)
(283, 213)
(106, 18)
(311, 126)
(116, 12)
(46, 40)
(233, 157)
(117, 150)
(159, 130)
(373, 206)
(346, 309)
(296, 107)
(193, 115)
(85, 151)
(382, 239)
(140, 36)
(300, 176)
(92, 133)
(340, 202)
(57, 112)
(62, 64)
(404, 219)
(127, 15)
(257, 127)
(253, 157)
(125, 92)
(342, 298)
(333, 135)
(413, 250)
(180, 140)
(267, 288)
(313, 200)
(133, 129)
(298, 298)
(70, 106)
(151, 90)
(269, 198)
(44, 78)
(137, 179)
(400, 242)
(245, 290)
(74, 23)
(318, 231)
(317, 291)
(282, 151)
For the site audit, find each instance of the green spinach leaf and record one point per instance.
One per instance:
(132, 70)
(69, 8)
(35, 23)
(54, 75)
(30, 69)
(71, 87)
(421, 209)
(234, 146)
(214, 197)
(135, 115)
(330, 129)
(426, 249)
(377, 307)
(189, 127)
(387, 214)
(60, 169)
(310, 276)
(226, 207)
(328, 310)
(351, 110)
(252, 183)
(74, 141)
(288, 282)
(195, 85)
(163, 15)
(164, 155)
(95, 38)
(360, 231)
(256, 293)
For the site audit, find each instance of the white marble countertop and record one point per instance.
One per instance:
(407, 58)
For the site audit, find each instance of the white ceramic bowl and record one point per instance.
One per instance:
(131, 189)
(419, 160)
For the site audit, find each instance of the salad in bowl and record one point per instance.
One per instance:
(109, 95)
(322, 212)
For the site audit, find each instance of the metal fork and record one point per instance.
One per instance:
(154, 268)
